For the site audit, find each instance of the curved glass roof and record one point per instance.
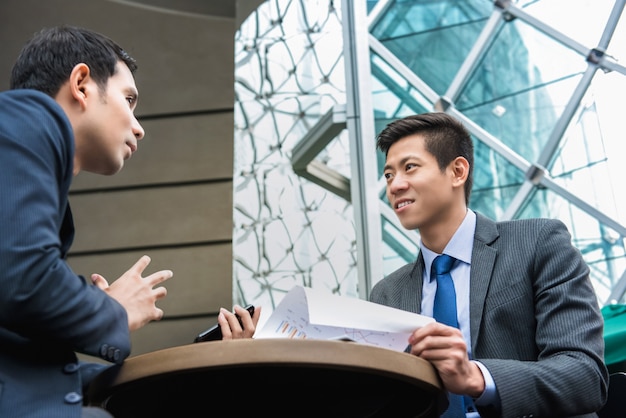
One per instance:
(536, 82)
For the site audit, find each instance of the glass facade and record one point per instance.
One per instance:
(538, 83)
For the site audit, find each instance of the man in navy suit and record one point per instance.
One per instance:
(529, 341)
(70, 108)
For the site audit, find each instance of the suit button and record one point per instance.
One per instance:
(70, 368)
(103, 350)
(111, 353)
(117, 354)
(73, 398)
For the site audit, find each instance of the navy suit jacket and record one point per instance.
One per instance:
(534, 317)
(47, 312)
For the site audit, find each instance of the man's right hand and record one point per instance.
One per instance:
(137, 294)
(446, 349)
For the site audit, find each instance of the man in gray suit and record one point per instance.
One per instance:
(529, 341)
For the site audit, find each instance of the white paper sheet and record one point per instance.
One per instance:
(311, 313)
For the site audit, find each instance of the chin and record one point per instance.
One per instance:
(410, 225)
(109, 171)
(117, 170)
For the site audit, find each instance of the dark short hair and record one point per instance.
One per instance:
(47, 59)
(445, 137)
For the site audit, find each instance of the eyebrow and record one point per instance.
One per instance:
(133, 92)
(402, 161)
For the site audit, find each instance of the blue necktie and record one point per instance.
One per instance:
(444, 311)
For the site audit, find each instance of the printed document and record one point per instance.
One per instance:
(311, 313)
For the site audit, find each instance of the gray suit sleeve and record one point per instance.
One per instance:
(542, 332)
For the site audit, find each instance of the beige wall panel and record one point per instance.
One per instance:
(195, 62)
(152, 217)
(202, 275)
(168, 333)
(174, 150)
(224, 8)
(186, 61)
(244, 9)
(163, 334)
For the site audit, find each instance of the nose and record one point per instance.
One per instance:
(397, 184)
(138, 130)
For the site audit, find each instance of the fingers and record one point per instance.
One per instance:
(430, 330)
(137, 294)
(239, 323)
(224, 323)
(435, 342)
(256, 316)
(158, 277)
(158, 314)
(234, 320)
(247, 321)
(99, 281)
(160, 292)
(243, 313)
(445, 348)
(140, 265)
(154, 278)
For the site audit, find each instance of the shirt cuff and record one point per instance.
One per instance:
(489, 398)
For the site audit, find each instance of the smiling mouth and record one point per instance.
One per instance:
(403, 204)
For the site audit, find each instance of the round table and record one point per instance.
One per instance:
(275, 377)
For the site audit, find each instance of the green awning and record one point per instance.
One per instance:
(614, 333)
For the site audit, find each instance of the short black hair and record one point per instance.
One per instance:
(47, 59)
(445, 137)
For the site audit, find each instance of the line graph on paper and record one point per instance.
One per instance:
(389, 340)
(303, 330)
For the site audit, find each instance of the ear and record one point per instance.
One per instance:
(460, 170)
(79, 83)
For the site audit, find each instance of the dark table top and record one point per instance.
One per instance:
(275, 377)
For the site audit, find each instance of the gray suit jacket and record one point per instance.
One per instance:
(535, 321)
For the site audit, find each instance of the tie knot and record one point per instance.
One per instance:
(442, 264)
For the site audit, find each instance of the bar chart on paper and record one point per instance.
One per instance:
(288, 330)
(297, 317)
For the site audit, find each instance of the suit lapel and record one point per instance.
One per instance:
(411, 296)
(417, 279)
(483, 260)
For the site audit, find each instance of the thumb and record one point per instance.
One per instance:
(99, 281)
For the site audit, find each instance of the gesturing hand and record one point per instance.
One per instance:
(137, 294)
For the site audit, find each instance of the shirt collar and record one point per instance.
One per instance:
(460, 245)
